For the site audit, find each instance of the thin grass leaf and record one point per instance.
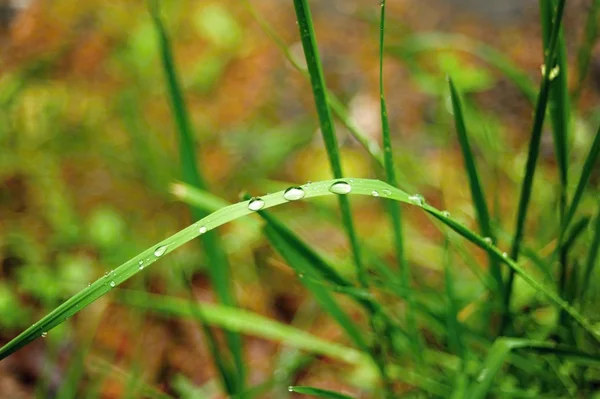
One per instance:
(393, 209)
(319, 88)
(585, 50)
(436, 42)
(365, 187)
(218, 265)
(530, 167)
(592, 256)
(477, 195)
(454, 328)
(501, 349)
(318, 392)
(244, 322)
(586, 172)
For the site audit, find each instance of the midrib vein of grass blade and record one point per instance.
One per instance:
(483, 215)
(319, 88)
(224, 215)
(530, 167)
(219, 268)
(393, 208)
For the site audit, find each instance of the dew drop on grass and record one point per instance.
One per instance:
(256, 204)
(504, 255)
(294, 194)
(482, 375)
(488, 240)
(375, 193)
(446, 214)
(112, 284)
(340, 187)
(387, 193)
(141, 264)
(554, 72)
(44, 334)
(202, 230)
(160, 251)
(417, 199)
(291, 389)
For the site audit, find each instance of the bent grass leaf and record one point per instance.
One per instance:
(365, 187)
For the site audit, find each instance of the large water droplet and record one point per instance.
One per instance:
(202, 230)
(256, 204)
(294, 194)
(375, 193)
(504, 255)
(554, 72)
(340, 187)
(160, 251)
(417, 199)
(291, 389)
(113, 284)
(44, 334)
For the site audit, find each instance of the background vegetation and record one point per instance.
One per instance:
(122, 123)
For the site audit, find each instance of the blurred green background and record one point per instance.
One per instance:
(88, 154)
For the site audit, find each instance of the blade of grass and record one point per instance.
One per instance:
(585, 50)
(318, 392)
(454, 328)
(530, 167)
(501, 349)
(365, 187)
(477, 195)
(218, 265)
(319, 88)
(592, 256)
(393, 209)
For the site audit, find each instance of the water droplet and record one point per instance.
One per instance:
(482, 375)
(294, 194)
(256, 204)
(543, 69)
(160, 251)
(291, 389)
(340, 187)
(504, 255)
(202, 230)
(141, 264)
(89, 284)
(375, 193)
(446, 214)
(112, 284)
(301, 275)
(44, 334)
(387, 193)
(417, 199)
(488, 240)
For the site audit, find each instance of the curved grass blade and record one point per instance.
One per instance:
(393, 209)
(319, 88)
(365, 187)
(502, 348)
(586, 172)
(218, 264)
(483, 214)
(318, 392)
(437, 41)
(243, 322)
(530, 167)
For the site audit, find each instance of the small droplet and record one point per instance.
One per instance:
(387, 193)
(375, 193)
(294, 194)
(554, 72)
(340, 187)
(160, 251)
(141, 264)
(446, 214)
(112, 284)
(504, 255)
(291, 389)
(301, 275)
(488, 240)
(256, 204)
(482, 375)
(89, 284)
(44, 334)
(417, 199)
(202, 230)
(543, 69)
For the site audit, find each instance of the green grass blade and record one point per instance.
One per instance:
(586, 172)
(393, 209)
(454, 327)
(502, 348)
(592, 256)
(319, 88)
(584, 54)
(365, 187)
(481, 208)
(436, 42)
(308, 277)
(218, 265)
(318, 392)
(530, 167)
(370, 145)
(243, 322)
